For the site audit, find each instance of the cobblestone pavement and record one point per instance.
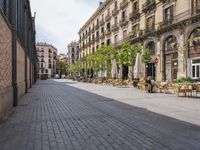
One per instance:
(54, 115)
(182, 108)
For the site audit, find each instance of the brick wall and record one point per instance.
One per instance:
(5, 67)
(20, 69)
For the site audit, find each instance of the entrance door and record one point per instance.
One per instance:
(151, 70)
(125, 72)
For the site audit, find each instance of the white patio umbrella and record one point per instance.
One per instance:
(138, 70)
(114, 71)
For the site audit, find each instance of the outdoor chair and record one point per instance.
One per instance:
(184, 89)
(126, 83)
(142, 85)
(197, 89)
(161, 86)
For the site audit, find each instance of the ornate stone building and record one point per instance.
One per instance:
(169, 28)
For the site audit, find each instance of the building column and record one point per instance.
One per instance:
(159, 73)
(14, 52)
(181, 57)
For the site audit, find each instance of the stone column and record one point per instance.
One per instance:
(159, 55)
(181, 57)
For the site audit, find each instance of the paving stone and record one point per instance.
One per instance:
(59, 116)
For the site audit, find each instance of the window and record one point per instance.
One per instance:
(97, 21)
(97, 34)
(108, 41)
(196, 68)
(116, 20)
(135, 6)
(102, 30)
(123, 14)
(115, 39)
(115, 4)
(46, 71)
(168, 14)
(108, 26)
(150, 23)
(125, 34)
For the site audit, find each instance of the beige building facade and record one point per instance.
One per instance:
(168, 28)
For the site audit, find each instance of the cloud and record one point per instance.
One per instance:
(58, 21)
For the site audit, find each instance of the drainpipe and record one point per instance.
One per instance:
(26, 46)
(14, 52)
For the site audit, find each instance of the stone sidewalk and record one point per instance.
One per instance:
(56, 116)
(182, 108)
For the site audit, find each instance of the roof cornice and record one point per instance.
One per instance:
(96, 13)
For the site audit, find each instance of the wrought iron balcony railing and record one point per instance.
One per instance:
(149, 5)
(115, 27)
(115, 11)
(123, 4)
(102, 22)
(150, 29)
(108, 17)
(134, 14)
(123, 21)
(97, 27)
(108, 32)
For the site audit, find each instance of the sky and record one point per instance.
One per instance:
(58, 21)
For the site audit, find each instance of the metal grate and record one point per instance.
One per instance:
(4, 7)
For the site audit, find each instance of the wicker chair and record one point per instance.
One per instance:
(184, 89)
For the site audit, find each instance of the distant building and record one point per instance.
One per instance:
(47, 59)
(73, 52)
(62, 64)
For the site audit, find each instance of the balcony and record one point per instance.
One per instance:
(96, 27)
(124, 4)
(92, 41)
(102, 36)
(92, 30)
(115, 27)
(108, 32)
(165, 1)
(149, 5)
(123, 22)
(108, 17)
(134, 15)
(102, 22)
(96, 39)
(115, 11)
(149, 29)
(50, 56)
(165, 23)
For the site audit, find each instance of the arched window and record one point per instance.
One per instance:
(171, 58)
(151, 47)
(171, 44)
(194, 44)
